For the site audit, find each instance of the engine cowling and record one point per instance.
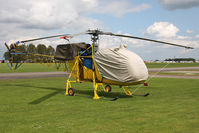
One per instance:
(120, 65)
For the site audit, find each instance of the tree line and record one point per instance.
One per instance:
(30, 52)
(181, 59)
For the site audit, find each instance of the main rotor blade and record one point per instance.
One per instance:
(41, 38)
(47, 37)
(146, 39)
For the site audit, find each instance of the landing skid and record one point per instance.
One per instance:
(144, 95)
(108, 99)
(127, 92)
(101, 98)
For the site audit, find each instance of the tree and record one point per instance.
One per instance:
(181, 59)
(22, 48)
(16, 57)
(50, 51)
(31, 49)
(5, 55)
(20, 57)
(41, 49)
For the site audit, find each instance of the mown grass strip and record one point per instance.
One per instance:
(39, 105)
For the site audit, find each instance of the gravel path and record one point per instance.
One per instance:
(177, 70)
(6, 76)
(173, 69)
(175, 76)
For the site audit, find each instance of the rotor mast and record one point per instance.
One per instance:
(94, 38)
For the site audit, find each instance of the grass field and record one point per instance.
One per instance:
(36, 67)
(175, 73)
(30, 67)
(39, 105)
(160, 65)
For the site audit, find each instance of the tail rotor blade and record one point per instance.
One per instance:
(7, 46)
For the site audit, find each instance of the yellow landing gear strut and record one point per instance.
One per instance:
(69, 90)
(127, 92)
(83, 74)
(95, 90)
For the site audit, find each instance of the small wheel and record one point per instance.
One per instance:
(107, 88)
(71, 92)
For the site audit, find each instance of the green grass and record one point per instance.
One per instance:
(176, 73)
(37, 67)
(160, 65)
(30, 67)
(39, 105)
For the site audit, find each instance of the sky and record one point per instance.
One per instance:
(175, 21)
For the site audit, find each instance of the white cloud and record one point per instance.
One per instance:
(183, 37)
(197, 36)
(189, 31)
(38, 14)
(119, 8)
(34, 18)
(52, 14)
(113, 41)
(178, 4)
(70, 15)
(168, 32)
(162, 30)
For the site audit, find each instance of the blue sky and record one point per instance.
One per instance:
(174, 21)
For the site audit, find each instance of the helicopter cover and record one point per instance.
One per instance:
(120, 65)
(69, 51)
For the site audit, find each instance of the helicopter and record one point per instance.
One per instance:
(88, 63)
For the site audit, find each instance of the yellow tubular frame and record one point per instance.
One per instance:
(94, 76)
(127, 92)
(76, 69)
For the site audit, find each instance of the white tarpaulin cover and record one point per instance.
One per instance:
(120, 65)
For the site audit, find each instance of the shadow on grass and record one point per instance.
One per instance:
(41, 99)
(103, 94)
(81, 93)
(37, 101)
